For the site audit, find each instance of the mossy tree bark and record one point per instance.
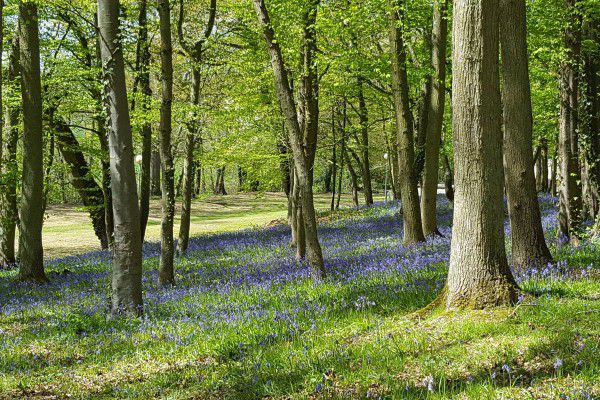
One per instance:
(127, 247)
(479, 275)
(413, 230)
(528, 242)
(435, 118)
(31, 253)
(166, 275)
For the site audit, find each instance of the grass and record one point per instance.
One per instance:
(246, 321)
(67, 228)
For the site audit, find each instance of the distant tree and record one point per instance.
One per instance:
(479, 275)
(166, 275)
(127, 247)
(31, 252)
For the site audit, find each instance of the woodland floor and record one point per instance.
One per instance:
(245, 321)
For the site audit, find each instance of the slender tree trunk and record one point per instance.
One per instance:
(413, 230)
(353, 179)
(333, 158)
(448, 179)
(297, 139)
(363, 115)
(31, 253)
(166, 275)
(155, 174)
(528, 242)
(127, 247)
(143, 69)
(435, 118)
(9, 212)
(479, 275)
(570, 204)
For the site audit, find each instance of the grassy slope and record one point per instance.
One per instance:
(67, 229)
(290, 338)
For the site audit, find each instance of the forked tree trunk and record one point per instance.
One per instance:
(166, 275)
(413, 230)
(288, 107)
(570, 204)
(127, 247)
(528, 242)
(435, 118)
(479, 275)
(9, 212)
(31, 252)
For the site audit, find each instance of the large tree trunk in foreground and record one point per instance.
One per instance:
(9, 212)
(82, 179)
(570, 205)
(413, 230)
(528, 242)
(127, 248)
(288, 107)
(435, 118)
(31, 253)
(479, 275)
(166, 274)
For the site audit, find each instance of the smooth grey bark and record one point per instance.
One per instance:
(31, 252)
(143, 69)
(413, 230)
(155, 174)
(302, 163)
(570, 194)
(353, 177)
(194, 51)
(127, 247)
(166, 275)
(9, 211)
(528, 243)
(435, 118)
(479, 275)
(333, 158)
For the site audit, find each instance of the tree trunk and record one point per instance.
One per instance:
(479, 275)
(9, 212)
(413, 230)
(353, 178)
(143, 69)
(188, 180)
(435, 118)
(302, 163)
(448, 180)
(333, 159)
(31, 253)
(82, 179)
(363, 115)
(127, 247)
(155, 174)
(528, 242)
(166, 275)
(570, 202)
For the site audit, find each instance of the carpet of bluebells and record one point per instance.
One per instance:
(246, 320)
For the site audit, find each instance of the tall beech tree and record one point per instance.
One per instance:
(435, 117)
(166, 275)
(528, 242)
(127, 247)
(194, 51)
(479, 275)
(302, 161)
(570, 193)
(413, 230)
(31, 252)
